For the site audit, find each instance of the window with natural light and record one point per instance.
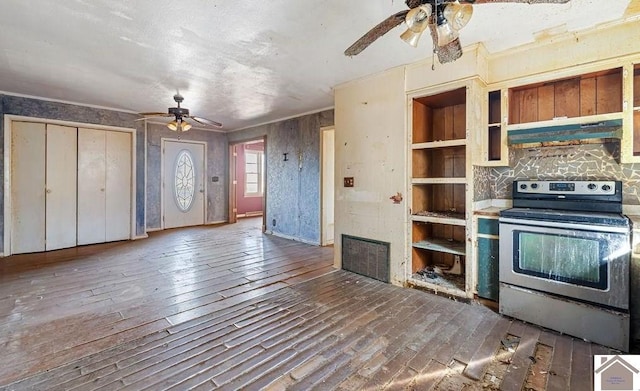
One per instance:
(253, 173)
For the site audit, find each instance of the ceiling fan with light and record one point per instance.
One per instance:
(179, 124)
(444, 18)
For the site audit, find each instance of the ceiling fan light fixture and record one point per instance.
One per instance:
(411, 37)
(458, 15)
(184, 125)
(446, 34)
(417, 20)
(173, 125)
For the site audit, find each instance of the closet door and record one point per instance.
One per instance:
(118, 186)
(91, 186)
(28, 143)
(61, 169)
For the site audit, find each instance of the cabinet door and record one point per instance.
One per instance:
(91, 186)
(118, 186)
(488, 279)
(61, 170)
(28, 143)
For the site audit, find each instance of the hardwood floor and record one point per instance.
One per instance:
(229, 308)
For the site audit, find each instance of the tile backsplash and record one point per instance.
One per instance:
(575, 162)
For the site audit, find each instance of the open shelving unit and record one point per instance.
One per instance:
(494, 128)
(438, 191)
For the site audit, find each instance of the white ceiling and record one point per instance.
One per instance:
(238, 62)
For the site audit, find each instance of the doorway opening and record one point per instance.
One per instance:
(247, 190)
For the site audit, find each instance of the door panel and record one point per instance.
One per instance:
(61, 192)
(188, 174)
(91, 186)
(118, 186)
(28, 143)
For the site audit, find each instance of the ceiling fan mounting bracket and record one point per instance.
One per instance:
(179, 111)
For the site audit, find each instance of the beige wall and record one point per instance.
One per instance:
(371, 144)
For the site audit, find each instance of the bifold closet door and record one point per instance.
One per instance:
(104, 186)
(118, 186)
(60, 204)
(91, 186)
(43, 187)
(28, 152)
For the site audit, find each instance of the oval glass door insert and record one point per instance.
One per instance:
(184, 181)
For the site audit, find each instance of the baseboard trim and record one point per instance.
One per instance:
(268, 232)
(138, 237)
(217, 222)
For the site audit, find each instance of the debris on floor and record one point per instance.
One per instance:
(538, 374)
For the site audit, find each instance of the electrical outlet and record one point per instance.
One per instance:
(215, 179)
(273, 222)
(348, 181)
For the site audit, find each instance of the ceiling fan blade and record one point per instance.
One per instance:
(515, 1)
(205, 121)
(152, 115)
(378, 31)
(156, 114)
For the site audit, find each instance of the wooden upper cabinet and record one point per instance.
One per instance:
(580, 96)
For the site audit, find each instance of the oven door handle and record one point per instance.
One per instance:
(552, 224)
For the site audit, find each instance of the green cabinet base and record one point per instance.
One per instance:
(488, 284)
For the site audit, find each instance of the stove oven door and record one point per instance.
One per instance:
(589, 263)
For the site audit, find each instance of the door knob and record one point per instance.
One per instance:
(48, 190)
(102, 189)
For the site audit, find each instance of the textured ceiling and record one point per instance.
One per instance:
(238, 62)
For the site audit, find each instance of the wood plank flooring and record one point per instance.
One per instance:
(230, 308)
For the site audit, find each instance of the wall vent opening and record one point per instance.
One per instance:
(365, 256)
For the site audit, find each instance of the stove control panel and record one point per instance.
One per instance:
(566, 187)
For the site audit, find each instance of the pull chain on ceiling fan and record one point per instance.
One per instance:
(179, 124)
(444, 18)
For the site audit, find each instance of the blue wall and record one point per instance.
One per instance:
(29, 107)
(293, 186)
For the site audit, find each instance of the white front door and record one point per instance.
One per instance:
(183, 183)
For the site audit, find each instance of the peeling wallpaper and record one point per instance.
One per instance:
(482, 183)
(217, 165)
(575, 162)
(30, 107)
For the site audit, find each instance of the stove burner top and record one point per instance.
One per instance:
(567, 216)
(562, 195)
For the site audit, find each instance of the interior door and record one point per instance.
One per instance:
(118, 186)
(28, 151)
(91, 186)
(183, 183)
(61, 170)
